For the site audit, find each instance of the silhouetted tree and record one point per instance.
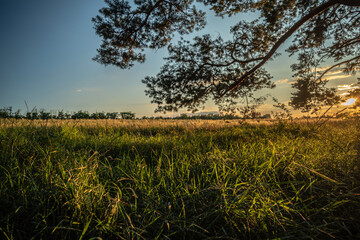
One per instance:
(127, 115)
(6, 112)
(98, 115)
(211, 68)
(17, 114)
(311, 93)
(355, 94)
(112, 115)
(81, 115)
(44, 115)
(61, 115)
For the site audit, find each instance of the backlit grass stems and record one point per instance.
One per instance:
(135, 179)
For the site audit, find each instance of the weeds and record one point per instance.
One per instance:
(161, 179)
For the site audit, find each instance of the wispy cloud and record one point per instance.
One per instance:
(337, 77)
(282, 81)
(332, 76)
(80, 90)
(347, 87)
(344, 94)
(334, 72)
(320, 69)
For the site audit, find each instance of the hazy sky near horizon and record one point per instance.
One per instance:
(46, 60)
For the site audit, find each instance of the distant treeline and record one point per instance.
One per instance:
(42, 114)
(218, 116)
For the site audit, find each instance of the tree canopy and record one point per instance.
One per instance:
(210, 67)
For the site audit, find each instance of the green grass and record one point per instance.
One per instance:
(75, 180)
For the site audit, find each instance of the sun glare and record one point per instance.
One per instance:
(350, 101)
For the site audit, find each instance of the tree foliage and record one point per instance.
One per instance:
(127, 115)
(355, 93)
(44, 115)
(226, 70)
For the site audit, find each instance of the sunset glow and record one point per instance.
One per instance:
(349, 102)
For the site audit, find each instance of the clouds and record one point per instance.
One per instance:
(82, 90)
(347, 87)
(282, 81)
(332, 74)
(336, 77)
(320, 69)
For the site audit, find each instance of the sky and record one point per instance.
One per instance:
(46, 51)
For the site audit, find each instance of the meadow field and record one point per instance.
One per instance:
(179, 179)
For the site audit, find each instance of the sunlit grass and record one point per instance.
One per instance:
(164, 179)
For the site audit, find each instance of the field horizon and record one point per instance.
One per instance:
(179, 179)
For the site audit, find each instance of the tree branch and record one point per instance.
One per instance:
(336, 65)
(158, 3)
(351, 3)
(316, 11)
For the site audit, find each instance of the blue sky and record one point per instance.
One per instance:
(46, 50)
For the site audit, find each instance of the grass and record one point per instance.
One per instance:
(112, 179)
